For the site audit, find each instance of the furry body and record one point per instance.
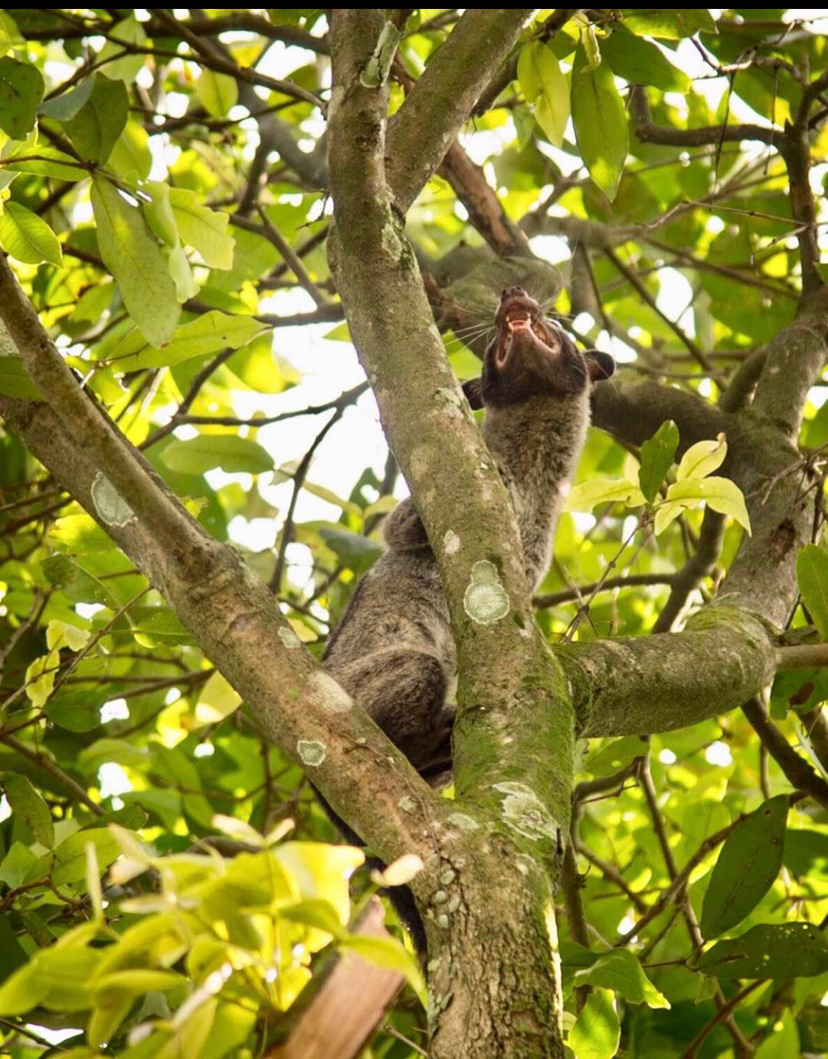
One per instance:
(393, 650)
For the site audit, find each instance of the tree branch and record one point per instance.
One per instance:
(421, 131)
(797, 771)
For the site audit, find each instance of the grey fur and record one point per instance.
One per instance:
(393, 650)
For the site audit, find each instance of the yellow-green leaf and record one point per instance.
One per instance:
(203, 229)
(600, 120)
(135, 260)
(217, 92)
(812, 578)
(597, 1031)
(702, 459)
(209, 333)
(543, 83)
(721, 494)
(27, 237)
(584, 497)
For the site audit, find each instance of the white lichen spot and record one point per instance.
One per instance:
(451, 542)
(448, 877)
(289, 638)
(419, 462)
(525, 813)
(463, 822)
(443, 921)
(407, 804)
(311, 752)
(324, 692)
(109, 503)
(440, 897)
(486, 600)
(453, 905)
(450, 401)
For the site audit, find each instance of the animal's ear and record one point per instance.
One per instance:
(600, 365)
(473, 389)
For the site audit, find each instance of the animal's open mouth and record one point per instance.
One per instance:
(519, 330)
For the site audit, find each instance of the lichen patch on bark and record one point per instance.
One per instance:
(109, 503)
(486, 600)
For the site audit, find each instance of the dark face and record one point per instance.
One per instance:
(531, 356)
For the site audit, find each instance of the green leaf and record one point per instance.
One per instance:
(67, 104)
(96, 127)
(22, 990)
(203, 229)
(812, 578)
(159, 212)
(620, 970)
(702, 459)
(21, 90)
(721, 494)
(27, 237)
(315, 912)
(70, 855)
(783, 950)
(16, 865)
(27, 805)
(615, 755)
(657, 457)
(133, 257)
(131, 158)
(219, 93)
(231, 1027)
(12, 953)
(783, 1040)
(584, 497)
(210, 333)
(126, 67)
(641, 63)
(77, 710)
(356, 552)
(15, 381)
(600, 122)
(670, 25)
(44, 161)
(231, 453)
(806, 851)
(597, 1031)
(544, 84)
(748, 863)
(388, 953)
(111, 1007)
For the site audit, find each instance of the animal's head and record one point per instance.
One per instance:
(532, 356)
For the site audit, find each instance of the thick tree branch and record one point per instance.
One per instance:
(661, 682)
(421, 408)
(236, 621)
(483, 206)
(793, 363)
(508, 72)
(423, 128)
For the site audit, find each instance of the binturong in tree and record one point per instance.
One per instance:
(194, 205)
